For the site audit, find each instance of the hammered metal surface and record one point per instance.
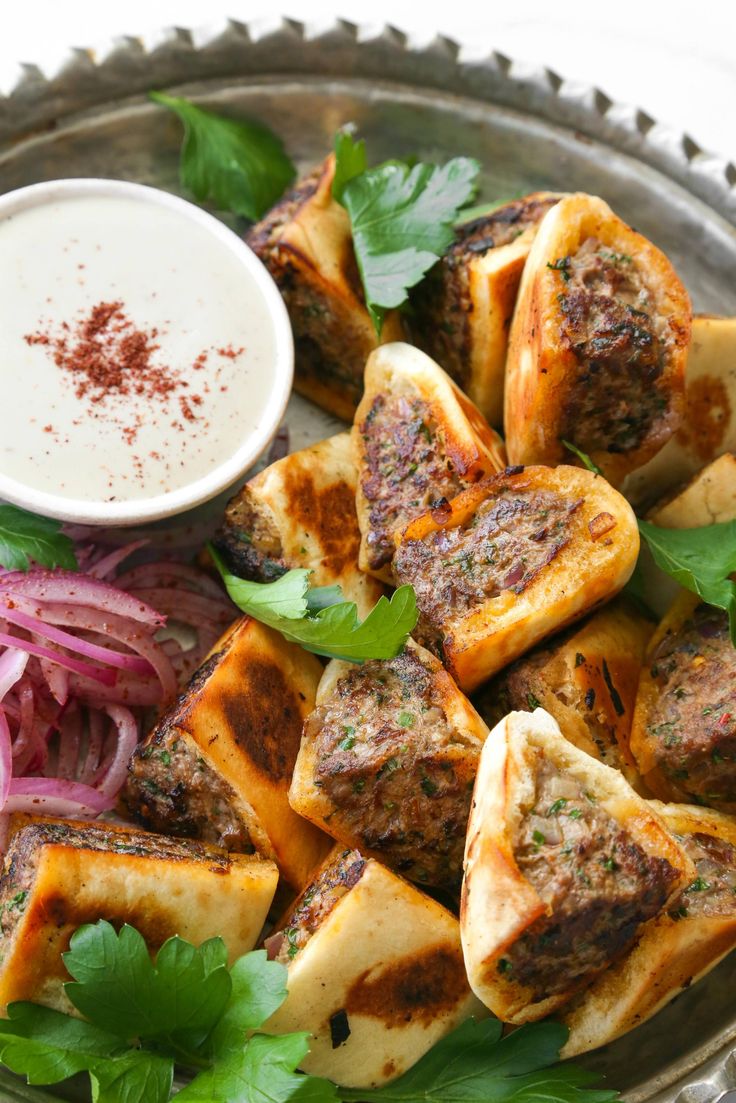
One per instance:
(530, 129)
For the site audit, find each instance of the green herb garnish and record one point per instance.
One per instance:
(238, 164)
(187, 1008)
(402, 218)
(474, 1063)
(700, 559)
(333, 630)
(25, 536)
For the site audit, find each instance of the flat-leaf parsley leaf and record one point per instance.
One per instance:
(402, 219)
(238, 164)
(25, 536)
(331, 630)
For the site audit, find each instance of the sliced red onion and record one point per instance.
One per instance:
(106, 677)
(6, 759)
(170, 574)
(46, 794)
(75, 643)
(69, 588)
(12, 664)
(109, 563)
(116, 772)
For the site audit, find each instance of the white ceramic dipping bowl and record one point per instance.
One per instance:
(206, 303)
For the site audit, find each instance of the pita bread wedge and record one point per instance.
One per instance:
(598, 343)
(218, 764)
(461, 313)
(586, 678)
(306, 244)
(676, 949)
(376, 973)
(417, 441)
(512, 560)
(300, 512)
(564, 867)
(387, 763)
(59, 875)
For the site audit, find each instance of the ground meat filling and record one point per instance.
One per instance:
(399, 774)
(621, 344)
(249, 545)
(171, 788)
(713, 892)
(443, 303)
(407, 469)
(693, 720)
(509, 540)
(314, 906)
(598, 884)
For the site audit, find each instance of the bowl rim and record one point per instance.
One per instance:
(224, 474)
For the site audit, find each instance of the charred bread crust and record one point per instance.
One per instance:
(586, 679)
(379, 978)
(417, 440)
(709, 498)
(461, 313)
(708, 427)
(387, 763)
(684, 732)
(675, 950)
(511, 560)
(59, 875)
(306, 244)
(300, 513)
(240, 720)
(598, 343)
(500, 904)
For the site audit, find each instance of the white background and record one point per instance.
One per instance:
(674, 58)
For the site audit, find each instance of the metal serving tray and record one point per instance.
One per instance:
(530, 129)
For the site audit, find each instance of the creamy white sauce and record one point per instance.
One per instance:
(57, 262)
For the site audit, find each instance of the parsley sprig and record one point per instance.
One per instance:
(320, 621)
(701, 559)
(402, 218)
(26, 537)
(238, 164)
(190, 1010)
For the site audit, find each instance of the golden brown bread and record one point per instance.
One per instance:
(708, 426)
(376, 972)
(306, 244)
(218, 764)
(512, 560)
(387, 762)
(677, 948)
(598, 343)
(59, 875)
(461, 312)
(417, 439)
(300, 512)
(564, 865)
(586, 679)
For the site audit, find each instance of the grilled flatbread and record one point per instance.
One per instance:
(376, 973)
(564, 867)
(59, 875)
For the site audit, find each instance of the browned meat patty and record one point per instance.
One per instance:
(399, 773)
(408, 470)
(620, 346)
(694, 718)
(599, 885)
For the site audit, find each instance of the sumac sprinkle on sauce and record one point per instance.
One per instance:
(106, 353)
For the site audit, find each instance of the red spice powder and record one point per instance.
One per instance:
(108, 354)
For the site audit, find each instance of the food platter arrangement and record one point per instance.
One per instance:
(404, 760)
